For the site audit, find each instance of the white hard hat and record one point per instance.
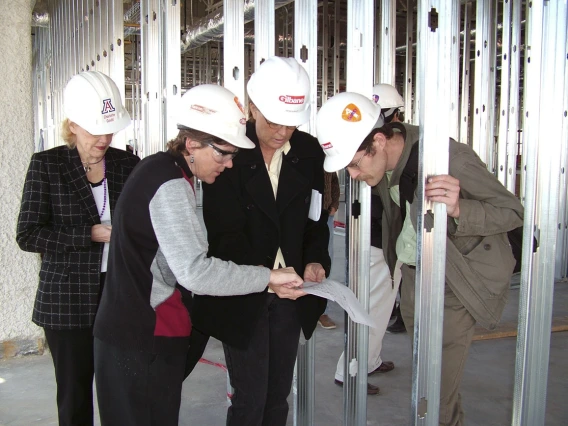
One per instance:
(92, 100)
(214, 110)
(388, 97)
(280, 88)
(342, 124)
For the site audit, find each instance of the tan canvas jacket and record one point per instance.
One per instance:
(479, 260)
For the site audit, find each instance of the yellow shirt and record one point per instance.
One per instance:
(406, 242)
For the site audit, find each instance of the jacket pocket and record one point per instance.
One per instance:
(491, 261)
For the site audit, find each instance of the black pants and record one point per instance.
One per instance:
(72, 353)
(262, 374)
(137, 388)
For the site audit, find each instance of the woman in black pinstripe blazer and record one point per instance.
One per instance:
(69, 195)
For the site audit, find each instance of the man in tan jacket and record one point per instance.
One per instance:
(479, 259)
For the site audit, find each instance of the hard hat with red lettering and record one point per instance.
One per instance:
(342, 124)
(388, 97)
(92, 100)
(214, 110)
(280, 89)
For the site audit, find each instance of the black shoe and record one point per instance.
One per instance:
(397, 326)
(371, 389)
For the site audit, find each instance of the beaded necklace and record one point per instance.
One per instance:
(104, 188)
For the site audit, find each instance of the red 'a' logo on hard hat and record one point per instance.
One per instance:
(326, 145)
(107, 106)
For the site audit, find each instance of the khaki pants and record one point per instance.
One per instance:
(457, 336)
(382, 295)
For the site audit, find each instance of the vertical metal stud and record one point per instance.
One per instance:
(514, 107)
(116, 56)
(466, 77)
(432, 70)
(171, 66)
(481, 110)
(336, 43)
(234, 49)
(305, 52)
(544, 103)
(325, 37)
(360, 78)
(455, 71)
(387, 44)
(562, 254)
(503, 112)
(408, 75)
(264, 40)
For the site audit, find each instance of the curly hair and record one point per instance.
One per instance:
(177, 144)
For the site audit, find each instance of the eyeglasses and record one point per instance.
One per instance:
(221, 156)
(356, 165)
(275, 126)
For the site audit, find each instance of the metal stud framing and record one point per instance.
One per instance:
(88, 35)
(234, 48)
(454, 71)
(264, 31)
(502, 152)
(80, 38)
(543, 127)
(481, 103)
(387, 42)
(433, 65)
(514, 106)
(464, 108)
(305, 52)
(562, 251)
(360, 76)
(408, 79)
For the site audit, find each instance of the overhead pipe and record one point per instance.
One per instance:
(211, 27)
(40, 17)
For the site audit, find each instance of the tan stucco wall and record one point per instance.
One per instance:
(18, 270)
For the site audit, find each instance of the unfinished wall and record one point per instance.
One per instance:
(18, 270)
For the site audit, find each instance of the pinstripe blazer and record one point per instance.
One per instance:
(56, 215)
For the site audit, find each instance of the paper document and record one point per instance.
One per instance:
(340, 293)
(315, 206)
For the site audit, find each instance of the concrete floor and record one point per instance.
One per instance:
(27, 387)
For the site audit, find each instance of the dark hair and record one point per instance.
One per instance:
(249, 112)
(394, 114)
(367, 144)
(177, 144)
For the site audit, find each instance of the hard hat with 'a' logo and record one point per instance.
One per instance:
(342, 124)
(214, 110)
(280, 89)
(388, 97)
(92, 100)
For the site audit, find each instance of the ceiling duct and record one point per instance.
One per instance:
(40, 17)
(210, 28)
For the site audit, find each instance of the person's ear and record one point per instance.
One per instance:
(379, 140)
(73, 127)
(191, 145)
